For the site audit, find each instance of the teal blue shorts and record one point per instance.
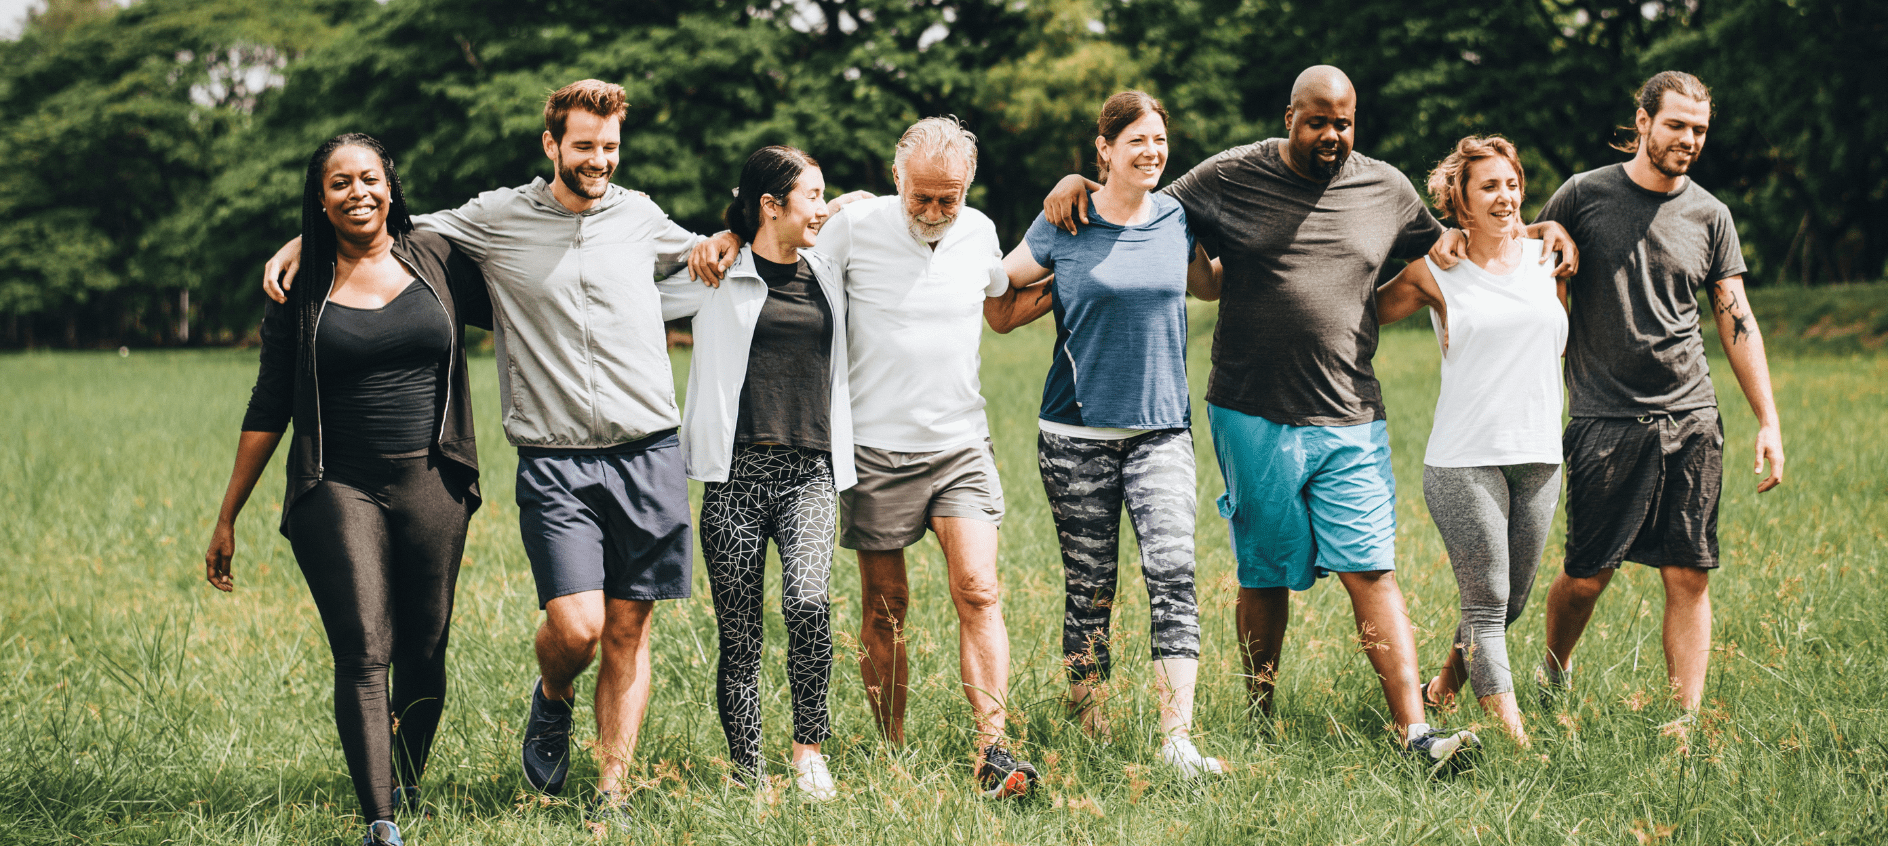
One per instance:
(1305, 500)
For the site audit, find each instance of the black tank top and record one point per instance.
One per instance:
(787, 397)
(382, 373)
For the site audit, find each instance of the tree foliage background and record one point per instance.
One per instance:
(151, 156)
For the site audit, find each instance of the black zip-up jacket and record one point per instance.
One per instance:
(285, 384)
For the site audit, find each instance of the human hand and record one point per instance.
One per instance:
(1067, 202)
(216, 560)
(1769, 448)
(279, 274)
(712, 257)
(1449, 249)
(1555, 239)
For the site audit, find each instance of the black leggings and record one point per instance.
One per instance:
(785, 494)
(379, 540)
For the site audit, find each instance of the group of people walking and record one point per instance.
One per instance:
(833, 396)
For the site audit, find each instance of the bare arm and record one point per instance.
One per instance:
(252, 455)
(1554, 239)
(1452, 247)
(1068, 201)
(1018, 306)
(1204, 276)
(1412, 289)
(279, 274)
(1021, 267)
(1743, 345)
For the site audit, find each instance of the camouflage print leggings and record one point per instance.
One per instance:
(1087, 481)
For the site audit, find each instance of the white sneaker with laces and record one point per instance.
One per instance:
(1180, 753)
(814, 779)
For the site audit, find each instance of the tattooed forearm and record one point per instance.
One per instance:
(1726, 302)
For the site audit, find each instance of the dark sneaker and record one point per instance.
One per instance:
(383, 833)
(1002, 776)
(607, 812)
(1440, 749)
(547, 742)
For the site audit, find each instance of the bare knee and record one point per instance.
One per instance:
(885, 607)
(976, 594)
(1582, 590)
(626, 626)
(574, 635)
(1685, 585)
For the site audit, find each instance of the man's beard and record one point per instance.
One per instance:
(574, 181)
(930, 233)
(1321, 172)
(1666, 160)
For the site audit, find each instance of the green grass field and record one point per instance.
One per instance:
(138, 706)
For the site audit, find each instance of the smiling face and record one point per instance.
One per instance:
(587, 155)
(1138, 154)
(796, 224)
(1322, 130)
(355, 194)
(1491, 197)
(1672, 139)
(932, 190)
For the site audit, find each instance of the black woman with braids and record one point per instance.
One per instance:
(367, 360)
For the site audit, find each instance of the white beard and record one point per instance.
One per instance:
(930, 233)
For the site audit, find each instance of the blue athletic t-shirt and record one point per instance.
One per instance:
(1120, 298)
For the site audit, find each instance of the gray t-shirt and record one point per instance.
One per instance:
(1298, 309)
(1633, 345)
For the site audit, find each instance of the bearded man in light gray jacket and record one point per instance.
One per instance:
(589, 402)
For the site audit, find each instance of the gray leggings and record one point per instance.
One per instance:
(1494, 522)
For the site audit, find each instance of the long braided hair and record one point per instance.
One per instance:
(318, 241)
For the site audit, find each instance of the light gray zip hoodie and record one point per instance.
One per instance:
(583, 361)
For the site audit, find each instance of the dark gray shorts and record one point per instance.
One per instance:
(1643, 489)
(613, 520)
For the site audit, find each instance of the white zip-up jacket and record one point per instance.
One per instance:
(583, 361)
(725, 318)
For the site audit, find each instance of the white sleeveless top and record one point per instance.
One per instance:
(1501, 399)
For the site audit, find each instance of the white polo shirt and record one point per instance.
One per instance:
(914, 321)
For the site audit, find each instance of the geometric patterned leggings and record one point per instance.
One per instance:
(1088, 481)
(786, 494)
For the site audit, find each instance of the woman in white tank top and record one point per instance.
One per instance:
(1491, 475)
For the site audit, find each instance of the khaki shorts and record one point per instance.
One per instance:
(899, 492)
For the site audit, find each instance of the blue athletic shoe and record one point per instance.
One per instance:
(383, 833)
(407, 800)
(546, 754)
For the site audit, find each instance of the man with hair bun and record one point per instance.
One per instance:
(921, 270)
(589, 403)
(1645, 446)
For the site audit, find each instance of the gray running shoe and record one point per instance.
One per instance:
(382, 833)
(1440, 749)
(607, 813)
(546, 753)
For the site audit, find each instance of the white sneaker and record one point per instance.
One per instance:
(1180, 754)
(814, 779)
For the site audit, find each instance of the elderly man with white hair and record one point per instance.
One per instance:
(920, 269)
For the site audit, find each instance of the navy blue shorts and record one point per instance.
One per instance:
(611, 520)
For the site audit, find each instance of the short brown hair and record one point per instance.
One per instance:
(1121, 110)
(603, 99)
(1651, 97)
(1449, 181)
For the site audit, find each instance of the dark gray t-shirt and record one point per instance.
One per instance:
(1633, 345)
(1298, 309)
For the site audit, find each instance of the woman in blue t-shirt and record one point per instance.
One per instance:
(1115, 411)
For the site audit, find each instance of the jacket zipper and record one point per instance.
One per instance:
(451, 341)
(314, 362)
